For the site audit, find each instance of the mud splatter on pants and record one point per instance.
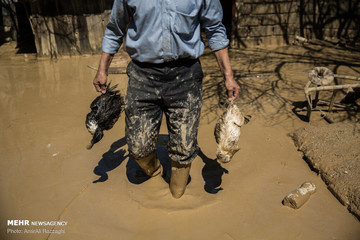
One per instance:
(174, 89)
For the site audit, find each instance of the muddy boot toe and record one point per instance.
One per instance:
(179, 178)
(150, 165)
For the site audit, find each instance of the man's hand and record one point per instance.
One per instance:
(100, 81)
(232, 88)
(101, 75)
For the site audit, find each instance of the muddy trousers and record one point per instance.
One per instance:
(173, 89)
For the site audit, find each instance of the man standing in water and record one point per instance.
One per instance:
(164, 42)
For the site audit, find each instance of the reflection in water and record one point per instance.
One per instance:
(42, 100)
(42, 79)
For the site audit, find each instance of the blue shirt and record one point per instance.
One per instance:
(164, 30)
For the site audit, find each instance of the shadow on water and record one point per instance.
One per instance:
(299, 109)
(110, 160)
(272, 81)
(212, 171)
(136, 175)
(212, 174)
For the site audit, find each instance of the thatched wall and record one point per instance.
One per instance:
(67, 27)
(68, 34)
(277, 22)
(331, 19)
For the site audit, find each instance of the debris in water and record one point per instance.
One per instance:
(299, 196)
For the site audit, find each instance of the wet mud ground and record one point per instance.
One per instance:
(49, 175)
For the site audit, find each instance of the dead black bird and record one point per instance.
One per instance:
(105, 111)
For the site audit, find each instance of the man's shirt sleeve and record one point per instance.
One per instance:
(211, 20)
(116, 27)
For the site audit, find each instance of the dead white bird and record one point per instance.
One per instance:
(227, 132)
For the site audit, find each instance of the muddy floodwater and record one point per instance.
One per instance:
(48, 175)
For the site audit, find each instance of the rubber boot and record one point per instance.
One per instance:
(179, 178)
(150, 165)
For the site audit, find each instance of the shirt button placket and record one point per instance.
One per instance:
(166, 30)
